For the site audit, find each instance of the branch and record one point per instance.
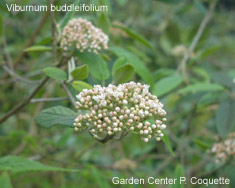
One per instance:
(27, 100)
(30, 41)
(216, 169)
(54, 33)
(69, 94)
(205, 21)
(48, 99)
(7, 54)
(33, 37)
(17, 77)
(102, 140)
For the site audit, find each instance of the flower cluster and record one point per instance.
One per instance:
(225, 149)
(83, 35)
(128, 107)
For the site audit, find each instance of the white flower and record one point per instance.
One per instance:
(83, 35)
(126, 107)
(103, 103)
(96, 98)
(125, 101)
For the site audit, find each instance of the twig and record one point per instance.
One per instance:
(7, 53)
(27, 100)
(17, 77)
(205, 21)
(54, 33)
(69, 94)
(30, 41)
(48, 99)
(101, 140)
(33, 37)
(216, 169)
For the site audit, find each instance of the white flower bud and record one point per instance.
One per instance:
(154, 126)
(163, 126)
(117, 108)
(132, 128)
(146, 139)
(158, 138)
(146, 131)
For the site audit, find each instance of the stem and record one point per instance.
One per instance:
(48, 99)
(33, 37)
(205, 21)
(27, 100)
(69, 94)
(216, 169)
(54, 33)
(17, 77)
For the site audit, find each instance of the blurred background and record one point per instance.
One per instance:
(187, 47)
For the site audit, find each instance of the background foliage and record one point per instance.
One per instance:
(148, 43)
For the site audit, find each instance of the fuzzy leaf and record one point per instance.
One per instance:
(68, 16)
(55, 73)
(166, 140)
(139, 66)
(1, 25)
(97, 65)
(104, 22)
(57, 115)
(38, 49)
(167, 84)
(135, 35)
(122, 71)
(200, 87)
(20, 164)
(80, 73)
(5, 181)
(179, 173)
(80, 85)
(225, 118)
(98, 177)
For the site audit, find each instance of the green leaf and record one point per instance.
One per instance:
(222, 78)
(200, 87)
(225, 118)
(135, 36)
(133, 60)
(202, 73)
(5, 181)
(209, 51)
(163, 72)
(167, 84)
(200, 6)
(97, 65)
(19, 164)
(1, 25)
(106, 3)
(3, 6)
(55, 73)
(80, 85)
(68, 16)
(104, 22)
(80, 73)
(230, 174)
(57, 115)
(38, 48)
(99, 178)
(122, 71)
(179, 174)
(202, 144)
(121, 2)
(166, 140)
(170, 1)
